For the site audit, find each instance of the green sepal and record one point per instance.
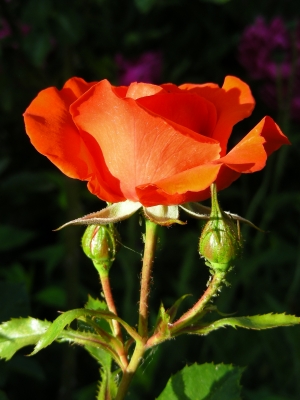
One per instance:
(202, 382)
(257, 322)
(20, 332)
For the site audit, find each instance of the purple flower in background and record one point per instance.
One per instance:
(146, 68)
(265, 49)
(268, 52)
(5, 29)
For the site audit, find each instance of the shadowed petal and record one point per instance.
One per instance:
(186, 109)
(233, 103)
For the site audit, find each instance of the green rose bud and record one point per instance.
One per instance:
(220, 242)
(99, 243)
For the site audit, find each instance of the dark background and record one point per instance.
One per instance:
(42, 271)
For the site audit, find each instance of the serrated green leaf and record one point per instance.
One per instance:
(98, 305)
(94, 344)
(102, 356)
(19, 333)
(107, 387)
(66, 318)
(258, 322)
(204, 382)
(95, 304)
(56, 328)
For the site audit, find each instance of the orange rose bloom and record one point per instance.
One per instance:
(155, 145)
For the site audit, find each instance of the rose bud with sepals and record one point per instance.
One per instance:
(99, 243)
(220, 243)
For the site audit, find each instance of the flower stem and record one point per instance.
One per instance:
(130, 370)
(211, 291)
(104, 279)
(150, 245)
(140, 348)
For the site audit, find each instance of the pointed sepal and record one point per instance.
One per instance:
(114, 213)
(199, 211)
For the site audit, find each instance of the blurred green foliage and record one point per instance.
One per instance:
(43, 271)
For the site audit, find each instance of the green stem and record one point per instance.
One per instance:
(211, 291)
(128, 374)
(140, 348)
(150, 245)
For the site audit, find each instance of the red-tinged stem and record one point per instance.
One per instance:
(104, 278)
(140, 348)
(150, 245)
(211, 291)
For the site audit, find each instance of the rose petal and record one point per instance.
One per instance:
(53, 133)
(233, 103)
(251, 153)
(186, 109)
(138, 147)
(137, 90)
(178, 189)
(77, 86)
